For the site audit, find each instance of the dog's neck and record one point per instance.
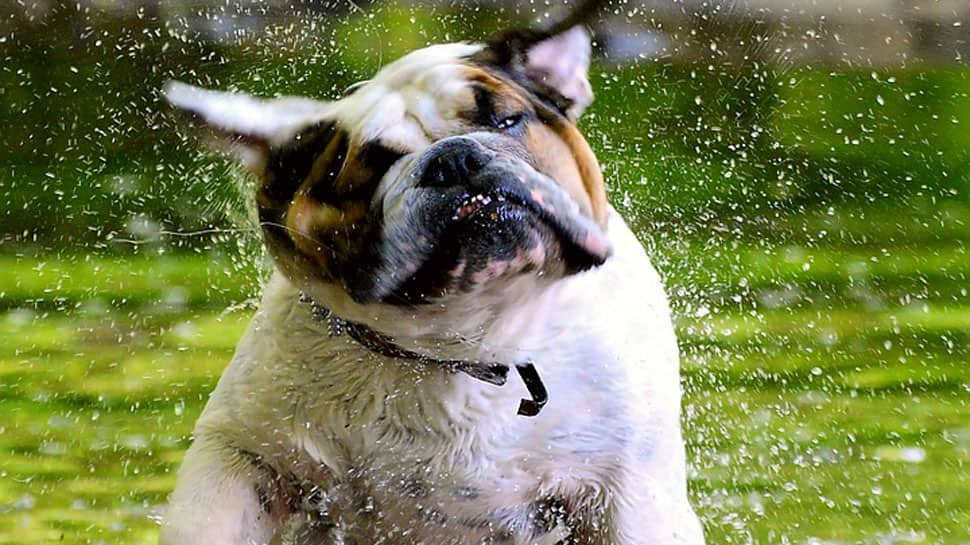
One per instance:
(493, 373)
(490, 372)
(461, 327)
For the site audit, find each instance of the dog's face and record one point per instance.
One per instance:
(454, 168)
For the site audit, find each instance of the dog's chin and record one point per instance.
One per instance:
(495, 242)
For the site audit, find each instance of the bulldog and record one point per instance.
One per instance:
(436, 228)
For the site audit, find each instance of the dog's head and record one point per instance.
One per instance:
(454, 168)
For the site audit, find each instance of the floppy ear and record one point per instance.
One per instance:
(309, 206)
(561, 62)
(553, 64)
(246, 127)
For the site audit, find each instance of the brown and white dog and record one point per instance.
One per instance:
(442, 224)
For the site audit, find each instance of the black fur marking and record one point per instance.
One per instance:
(415, 488)
(545, 515)
(484, 112)
(290, 163)
(374, 158)
(379, 157)
(264, 499)
(271, 220)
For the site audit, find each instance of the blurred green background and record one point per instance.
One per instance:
(802, 184)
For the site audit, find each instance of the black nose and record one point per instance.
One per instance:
(453, 162)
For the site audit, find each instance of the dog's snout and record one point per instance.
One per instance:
(454, 163)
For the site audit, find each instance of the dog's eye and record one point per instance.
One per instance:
(510, 122)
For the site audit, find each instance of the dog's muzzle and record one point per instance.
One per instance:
(466, 212)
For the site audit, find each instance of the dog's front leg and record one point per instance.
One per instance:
(223, 497)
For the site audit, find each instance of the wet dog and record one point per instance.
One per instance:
(462, 342)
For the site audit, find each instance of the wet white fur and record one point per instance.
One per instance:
(602, 341)
(408, 105)
(321, 407)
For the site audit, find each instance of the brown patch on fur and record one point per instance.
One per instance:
(329, 198)
(322, 180)
(492, 99)
(550, 152)
(315, 194)
(550, 138)
(320, 230)
(589, 168)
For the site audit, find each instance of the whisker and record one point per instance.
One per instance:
(297, 232)
(184, 234)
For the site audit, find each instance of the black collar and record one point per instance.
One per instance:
(490, 372)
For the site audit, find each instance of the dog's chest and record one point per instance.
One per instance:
(446, 459)
(417, 508)
(381, 451)
(451, 483)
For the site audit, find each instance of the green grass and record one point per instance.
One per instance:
(825, 403)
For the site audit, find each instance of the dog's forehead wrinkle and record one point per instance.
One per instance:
(436, 109)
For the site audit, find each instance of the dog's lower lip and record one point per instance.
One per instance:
(472, 206)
